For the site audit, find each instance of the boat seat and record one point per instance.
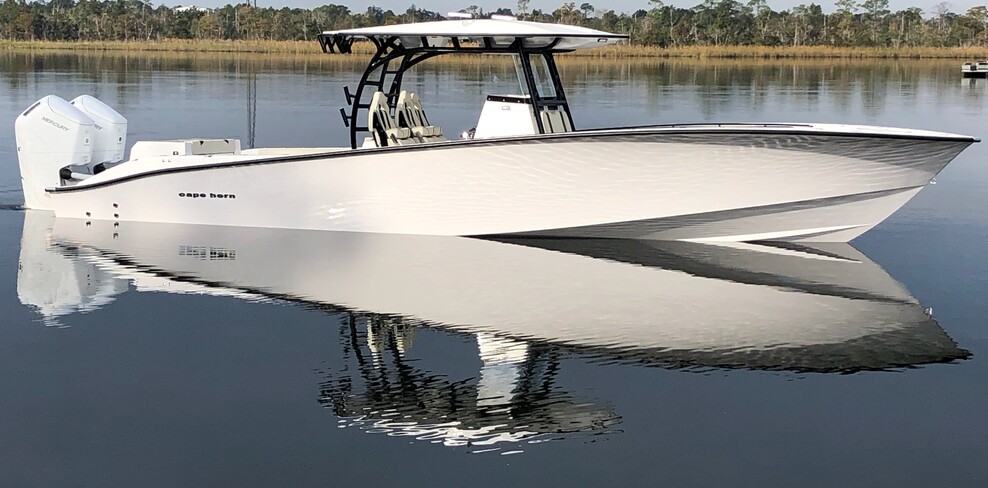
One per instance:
(411, 114)
(555, 119)
(382, 125)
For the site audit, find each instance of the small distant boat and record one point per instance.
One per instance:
(975, 70)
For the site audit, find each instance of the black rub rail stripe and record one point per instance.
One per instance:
(738, 128)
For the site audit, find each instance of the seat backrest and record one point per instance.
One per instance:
(555, 120)
(410, 111)
(411, 115)
(379, 119)
(382, 125)
(418, 111)
(402, 109)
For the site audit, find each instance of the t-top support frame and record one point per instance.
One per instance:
(392, 58)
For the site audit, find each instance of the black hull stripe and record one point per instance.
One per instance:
(587, 135)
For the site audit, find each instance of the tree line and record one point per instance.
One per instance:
(713, 22)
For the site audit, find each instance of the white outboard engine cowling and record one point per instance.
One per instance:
(110, 138)
(51, 135)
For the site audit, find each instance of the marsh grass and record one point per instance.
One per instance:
(783, 52)
(173, 45)
(620, 51)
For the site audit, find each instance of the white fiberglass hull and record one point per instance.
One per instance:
(730, 183)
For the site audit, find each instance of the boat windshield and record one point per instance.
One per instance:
(520, 75)
(540, 74)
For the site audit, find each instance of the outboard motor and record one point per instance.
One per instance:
(110, 138)
(51, 134)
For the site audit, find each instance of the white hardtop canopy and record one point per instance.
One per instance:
(560, 37)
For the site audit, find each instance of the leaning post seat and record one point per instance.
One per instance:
(382, 125)
(433, 132)
(411, 114)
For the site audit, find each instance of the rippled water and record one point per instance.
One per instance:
(161, 355)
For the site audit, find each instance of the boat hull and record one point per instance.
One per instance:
(643, 184)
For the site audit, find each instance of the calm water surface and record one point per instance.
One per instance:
(157, 355)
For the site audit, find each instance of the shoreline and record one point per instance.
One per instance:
(623, 51)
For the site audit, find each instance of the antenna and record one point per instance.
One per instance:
(251, 107)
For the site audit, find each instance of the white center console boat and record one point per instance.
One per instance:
(527, 170)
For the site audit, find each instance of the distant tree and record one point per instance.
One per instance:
(876, 11)
(568, 14)
(587, 9)
(942, 11)
(411, 15)
(538, 15)
(852, 23)
(845, 20)
(846, 6)
(523, 8)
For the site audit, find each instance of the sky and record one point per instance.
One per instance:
(443, 6)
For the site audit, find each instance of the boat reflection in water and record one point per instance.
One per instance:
(514, 399)
(527, 304)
